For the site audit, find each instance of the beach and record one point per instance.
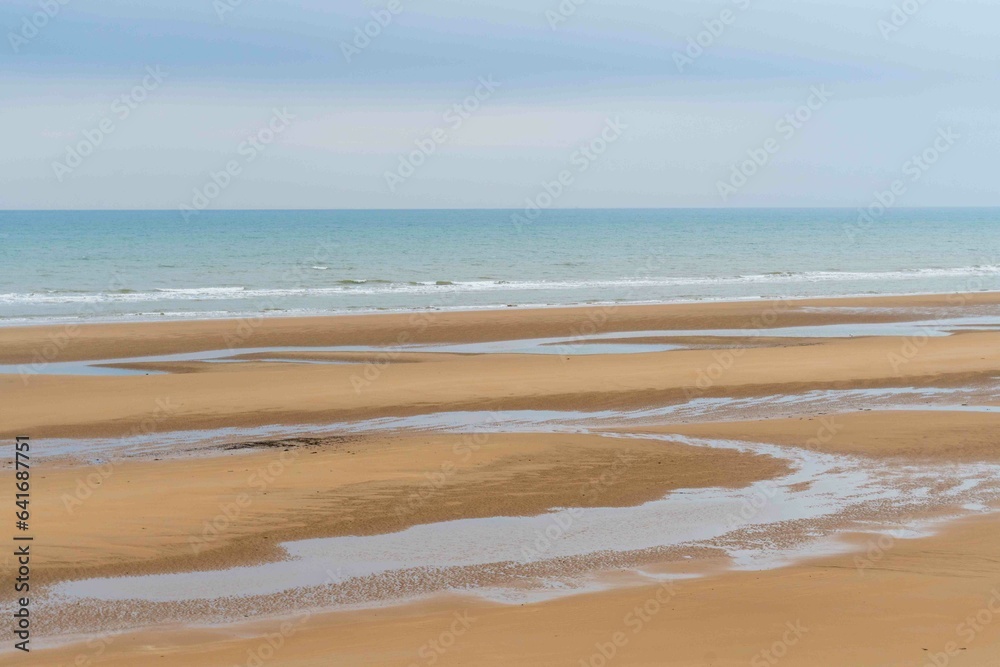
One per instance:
(490, 334)
(804, 481)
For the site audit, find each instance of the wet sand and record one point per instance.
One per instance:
(907, 602)
(735, 414)
(67, 342)
(263, 393)
(227, 510)
(952, 435)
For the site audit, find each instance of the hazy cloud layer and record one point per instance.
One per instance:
(700, 86)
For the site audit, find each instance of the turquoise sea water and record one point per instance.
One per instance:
(110, 265)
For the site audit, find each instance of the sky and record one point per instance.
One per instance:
(231, 104)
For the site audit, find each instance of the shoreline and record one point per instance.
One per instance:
(21, 344)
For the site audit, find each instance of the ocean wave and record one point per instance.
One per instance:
(377, 286)
(200, 291)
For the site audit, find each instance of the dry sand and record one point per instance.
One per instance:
(892, 602)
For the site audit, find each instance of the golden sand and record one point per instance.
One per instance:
(889, 602)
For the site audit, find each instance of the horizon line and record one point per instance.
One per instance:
(463, 208)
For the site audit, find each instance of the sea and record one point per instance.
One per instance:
(73, 266)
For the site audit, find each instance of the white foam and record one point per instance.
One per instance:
(367, 288)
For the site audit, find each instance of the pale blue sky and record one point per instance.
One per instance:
(611, 59)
